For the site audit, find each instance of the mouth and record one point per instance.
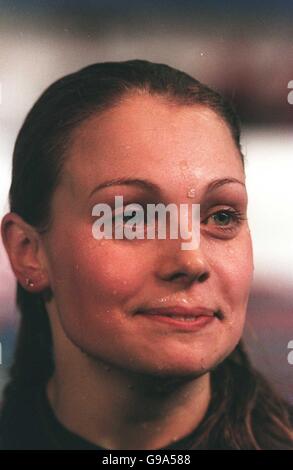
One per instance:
(182, 317)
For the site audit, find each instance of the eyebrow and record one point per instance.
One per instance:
(150, 186)
(143, 183)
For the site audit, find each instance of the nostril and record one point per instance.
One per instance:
(179, 275)
(203, 277)
(176, 276)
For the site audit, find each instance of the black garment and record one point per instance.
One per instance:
(33, 425)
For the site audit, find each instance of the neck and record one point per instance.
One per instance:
(118, 409)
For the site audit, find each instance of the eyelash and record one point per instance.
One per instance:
(237, 217)
(129, 217)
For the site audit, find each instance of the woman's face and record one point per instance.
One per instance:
(99, 285)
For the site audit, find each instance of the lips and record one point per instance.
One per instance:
(183, 319)
(179, 312)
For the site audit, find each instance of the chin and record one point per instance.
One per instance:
(185, 368)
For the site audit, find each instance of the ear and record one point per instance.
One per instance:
(25, 250)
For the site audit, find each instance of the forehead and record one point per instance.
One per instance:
(146, 136)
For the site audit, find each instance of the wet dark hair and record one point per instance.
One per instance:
(247, 413)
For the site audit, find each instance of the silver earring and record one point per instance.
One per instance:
(29, 282)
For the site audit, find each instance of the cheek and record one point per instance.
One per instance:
(232, 266)
(113, 271)
(91, 275)
(237, 277)
(95, 284)
(232, 262)
(239, 272)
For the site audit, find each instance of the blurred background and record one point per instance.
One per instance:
(244, 49)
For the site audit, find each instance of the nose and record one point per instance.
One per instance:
(183, 266)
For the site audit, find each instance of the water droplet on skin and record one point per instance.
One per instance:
(184, 165)
(191, 192)
(184, 168)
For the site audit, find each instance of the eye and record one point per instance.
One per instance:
(134, 219)
(128, 214)
(225, 219)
